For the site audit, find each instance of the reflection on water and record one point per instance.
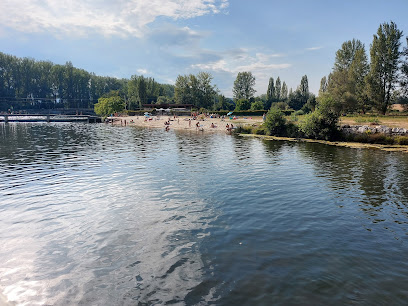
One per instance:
(101, 215)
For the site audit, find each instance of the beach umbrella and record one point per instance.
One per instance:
(229, 114)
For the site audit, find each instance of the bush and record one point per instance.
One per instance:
(292, 130)
(322, 123)
(275, 122)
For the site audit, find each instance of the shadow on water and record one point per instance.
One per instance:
(372, 180)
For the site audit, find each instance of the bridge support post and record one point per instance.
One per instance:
(48, 118)
(6, 118)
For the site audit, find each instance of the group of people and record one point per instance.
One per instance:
(229, 127)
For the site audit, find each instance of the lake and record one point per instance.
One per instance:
(92, 214)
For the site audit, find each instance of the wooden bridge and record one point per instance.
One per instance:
(48, 118)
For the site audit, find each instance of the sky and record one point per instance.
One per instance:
(164, 39)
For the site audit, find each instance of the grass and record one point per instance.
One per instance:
(388, 120)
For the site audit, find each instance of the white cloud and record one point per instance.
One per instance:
(314, 48)
(143, 71)
(109, 17)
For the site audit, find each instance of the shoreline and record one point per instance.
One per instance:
(182, 124)
(344, 144)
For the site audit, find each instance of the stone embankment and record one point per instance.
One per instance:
(381, 129)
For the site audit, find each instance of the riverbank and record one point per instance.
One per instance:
(353, 145)
(218, 125)
(208, 125)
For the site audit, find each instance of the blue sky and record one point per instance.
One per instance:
(163, 39)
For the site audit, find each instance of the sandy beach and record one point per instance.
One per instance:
(208, 125)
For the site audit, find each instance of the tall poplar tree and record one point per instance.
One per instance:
(270, 94)
(323, 85)
(278, 89)
(284, 91)
(404, 73)
(383, 75)
(304, 88)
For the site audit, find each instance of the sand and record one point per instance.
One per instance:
(186, 123)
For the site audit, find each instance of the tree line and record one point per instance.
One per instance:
(26, 83)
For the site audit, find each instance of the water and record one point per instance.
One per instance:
(101, 215)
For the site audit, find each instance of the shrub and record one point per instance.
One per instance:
(322, 123)
(275, 123)
(292, 130)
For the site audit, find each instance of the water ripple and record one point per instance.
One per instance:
(94, 214)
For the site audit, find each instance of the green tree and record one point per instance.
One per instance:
(207, 91)
(404, 72)
(385, 55)
(284, 91)
(182, 90)
(345, 56)
(110, 105)
(137, 92)
(196, 90)
(304, 89)
(257, 105)
(278, 89)
(244, 86)
(296, 100)
(242, 105)
(270, 94)
(323, 85)
(347, 82)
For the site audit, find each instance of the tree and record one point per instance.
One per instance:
(196, 90)
(385, 54)
(270, 94)
(110, 105)
(284, 91)
(304, 88)
(296, 100)
(242, 104)
(323, 85)
(345, 55)
(257, 105)
(244, 86)
(207, 91)
(347, 82)
(137, 92)
(278, 89)
(404, 73)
